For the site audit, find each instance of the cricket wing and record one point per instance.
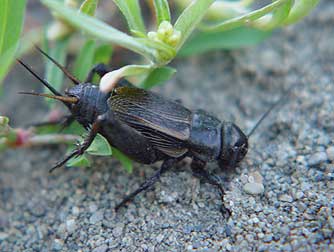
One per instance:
(165, 123)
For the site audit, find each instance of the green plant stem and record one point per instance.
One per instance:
(51, 139)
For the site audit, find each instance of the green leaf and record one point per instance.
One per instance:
(81, 161)
(53, 74)
(11, 22)
(274, 20)
(190, 17)
(103, 54)
(99, 29)
(84, 61)
(125, 161)
(157, 77)
(132, 13)
(300, 9)
(89, 7)
(99, 147)
(162, 12)
(233, 39)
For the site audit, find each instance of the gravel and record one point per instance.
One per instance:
(254, 188)
(290, 155)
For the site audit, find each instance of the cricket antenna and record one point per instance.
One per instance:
(65, 71)
(283, 96)
(64, 99)
(44, 82)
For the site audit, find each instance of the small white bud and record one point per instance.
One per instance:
(175, 38)
(165, 29)
(152, 36)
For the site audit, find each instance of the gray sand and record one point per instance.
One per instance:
(291, 155)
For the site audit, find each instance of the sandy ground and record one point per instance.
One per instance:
(291, 155)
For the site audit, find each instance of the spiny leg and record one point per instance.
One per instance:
(82, 147)
(199, 171)
(166, 165)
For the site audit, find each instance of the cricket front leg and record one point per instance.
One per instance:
(84, 146)
(199, 171)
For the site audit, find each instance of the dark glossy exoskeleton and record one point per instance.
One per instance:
(147, 128)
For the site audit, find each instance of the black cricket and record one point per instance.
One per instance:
(148, 128)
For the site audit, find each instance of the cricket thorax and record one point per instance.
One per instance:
(92, 103)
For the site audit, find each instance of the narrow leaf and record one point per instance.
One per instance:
(190, 17)
(11, 22)
(125, 161)
(299, 10)
(162, 12)
(84, 61)
(269, 22)
(99, 29)
(157, 77)
(89, 7)
(237, 38)
(132, 13)
(99, 147)
(243, 19)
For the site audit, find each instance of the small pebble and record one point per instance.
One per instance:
(75, 210)
(254, 188)
(70, 225)
(159, 238)
(118, 230)
(330, 153)
(57, 244)
(286, 198)
(317, 158)
(96, 217)
(299, 195)
(267, 238)
(102, 248)
(257, 177)
(244, 178)
(3, 236)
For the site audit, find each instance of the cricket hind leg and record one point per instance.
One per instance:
(166, 165)
(99, 69)
(199, 171)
